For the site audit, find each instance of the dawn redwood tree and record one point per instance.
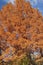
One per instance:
(21, 27)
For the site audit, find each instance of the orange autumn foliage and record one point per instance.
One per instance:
(20, 26)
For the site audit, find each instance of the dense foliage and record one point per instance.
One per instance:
(21, 32)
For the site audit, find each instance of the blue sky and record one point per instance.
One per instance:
(35, 3)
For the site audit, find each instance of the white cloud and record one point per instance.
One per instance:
(33, 2)
(9, 1)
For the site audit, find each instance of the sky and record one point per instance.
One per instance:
(35, 3)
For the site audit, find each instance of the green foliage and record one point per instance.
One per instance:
(39, 63)
(24, 61)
